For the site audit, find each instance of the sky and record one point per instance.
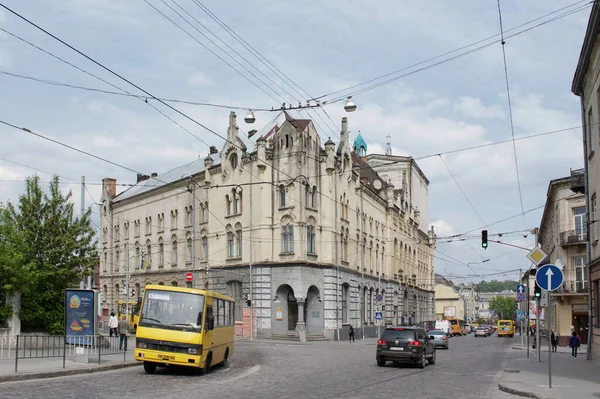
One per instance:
(317, 50)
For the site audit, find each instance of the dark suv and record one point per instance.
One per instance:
(405, 345)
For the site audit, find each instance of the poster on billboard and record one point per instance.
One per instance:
(533, 311)
(450, 311)
(80, 316)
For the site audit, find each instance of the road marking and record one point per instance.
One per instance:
(245, 374)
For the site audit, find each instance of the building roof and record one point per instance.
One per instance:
(179, 173)
(299, 124)
(359, 143)
(367, 172)
(591, 34)
(393, 159)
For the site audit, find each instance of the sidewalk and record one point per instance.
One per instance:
(571, 377)
(48, 367)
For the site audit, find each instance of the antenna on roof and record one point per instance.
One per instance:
(388, 145)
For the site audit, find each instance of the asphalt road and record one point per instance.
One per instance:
(275, 369)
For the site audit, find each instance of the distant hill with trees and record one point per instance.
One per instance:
(496, 286)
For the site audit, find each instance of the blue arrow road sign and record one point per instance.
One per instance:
(549, 277)
(520, 288)
(378, 315)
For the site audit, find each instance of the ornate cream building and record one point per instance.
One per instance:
(304, 236)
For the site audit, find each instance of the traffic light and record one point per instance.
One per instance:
(537, 291)
(382, 307)
(132, 292)
(484, 239)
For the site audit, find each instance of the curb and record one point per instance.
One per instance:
(65, 372)
(518, 392)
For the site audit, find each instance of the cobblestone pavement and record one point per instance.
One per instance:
(275, 369)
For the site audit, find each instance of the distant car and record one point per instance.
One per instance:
(439, 338)
(405, 345)
(491, 330)
(481, 332)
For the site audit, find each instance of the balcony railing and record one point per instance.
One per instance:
(573, 287)
(578, 180)
(573, 237)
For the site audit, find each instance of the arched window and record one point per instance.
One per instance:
(230, 243)
(311, 246)
(117, 258)
(228, 205)
(236, 204)
(281, 196)
(117, 292)
(174, 249)
(238, 238)
(204, 245)
(148, 253)
(313, 198)
(161, 252)
(137, 255)
(104, 293)
(205, 211)
(189, 248)
(174, 283)
(233, 160)
(287, 235)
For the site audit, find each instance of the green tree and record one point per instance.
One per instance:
(496, 286)
(504, 307)
(47, 249)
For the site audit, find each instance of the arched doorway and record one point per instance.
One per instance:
(313, 312)
(284, 311)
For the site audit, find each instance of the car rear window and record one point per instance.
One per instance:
(436, 332)
(398, 334)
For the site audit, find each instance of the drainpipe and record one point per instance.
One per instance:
(588, 249)
(336, 260)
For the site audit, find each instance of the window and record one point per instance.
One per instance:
(161, 252)
(188, 215)
(310, 240)
(287, 238)
(161, 222)
(105, 261)
(148, 253)
(117, 235)
(236, 204)
(117, 258)
(117, 292)
(313, 197)
(136, 228)
(580, 222)
(234, 290)
(137, 254)
(594, 217)
(345, 301)
(233, 160)
(174, 250)
(580, 273)
(105, 234)
(238, 237)
(148, 225)
(189, 248)
(281, 196)
(591, 137)
(205, 211)
(104, 293)
(230, 244)
(204, 247)
(126, 230)
(228, 204)
(174, 219)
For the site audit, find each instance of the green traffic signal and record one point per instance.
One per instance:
(484, 239)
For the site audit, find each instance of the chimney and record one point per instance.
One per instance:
(109, 185)
(141, 177)
(154, 174)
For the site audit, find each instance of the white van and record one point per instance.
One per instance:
(445, 326)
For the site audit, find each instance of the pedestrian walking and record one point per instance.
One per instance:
(123, 327)
(553, 340)
(351, 334)
(574, 344)
(113, 325)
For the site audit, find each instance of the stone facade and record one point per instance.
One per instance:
(307, 235)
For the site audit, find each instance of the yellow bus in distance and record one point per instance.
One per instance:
(184, 327)
(457, 325)
(134, 312)
(506, 328)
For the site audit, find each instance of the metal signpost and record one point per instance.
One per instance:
(549, 278)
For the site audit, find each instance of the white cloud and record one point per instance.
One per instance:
(473, 107)
(443, 228)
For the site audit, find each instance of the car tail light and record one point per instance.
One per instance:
(413, 343)
(381, 342)
(444, 338)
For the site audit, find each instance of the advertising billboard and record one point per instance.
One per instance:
(533, 309)
(80, 316)
(450, 311)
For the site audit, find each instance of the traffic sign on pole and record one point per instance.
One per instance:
(520, 288)
(379, 297)
(537, 255)
(189, 276)
(549, 277)
(378, 315)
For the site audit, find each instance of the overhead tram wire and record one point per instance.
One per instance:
(141, 98)
(220, 48)
(123, 94)
(457, 56)
(510, 112)
(286, 79)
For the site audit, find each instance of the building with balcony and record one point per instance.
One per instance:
(562, 235)
(306, 237)
(448, 301)
(587, 86)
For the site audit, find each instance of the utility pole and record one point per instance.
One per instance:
(193, 191)
(538, 343)
(82, 212)
(250, 264)
(362, 251)
(127, 283)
